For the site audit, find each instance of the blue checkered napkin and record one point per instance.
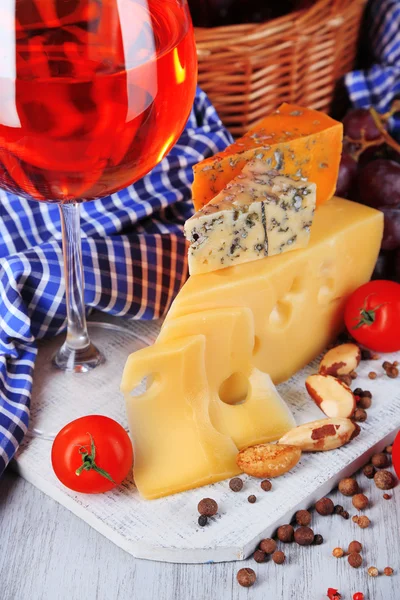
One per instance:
(380, 85)
(134, 257)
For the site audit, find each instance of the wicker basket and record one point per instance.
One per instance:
(248, 70)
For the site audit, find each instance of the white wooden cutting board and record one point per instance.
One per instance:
(167, 529)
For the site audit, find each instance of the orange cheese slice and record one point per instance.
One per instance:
(299, 142)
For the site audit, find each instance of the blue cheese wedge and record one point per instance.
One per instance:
(259, 213)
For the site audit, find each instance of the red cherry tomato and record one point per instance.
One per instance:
(396, 455)
(92, 454)
(372, 315)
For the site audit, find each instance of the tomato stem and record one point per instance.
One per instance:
(368, 317)
(88, 461)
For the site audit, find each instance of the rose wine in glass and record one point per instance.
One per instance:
(93, 94)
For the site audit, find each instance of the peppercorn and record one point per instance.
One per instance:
(384, 480)
(388, 571)
(362, 521)
(246, 577)
(373, 572)
(338, 552)
(355, 560)
(285, 534)
(364, 402)
(395, 363)
(202, 520)
(369, 471)
(354, 374)
(386, 365)
(348, 486)
(358, 596)
(252, 499)
(360, 501)
(318, 539)
(354, 546)
(358, 392)
(236, 484)
(389, 449)
(259, 556)
(278, 557)
(268, 546)
(380, 460)
(207, 507)
(360, 415)
(303, 517)
(372, 375)
(345, 515)
(266, 485)
(324, 506)
(367, 393)
(366, 355)
(304, 536)
(386, 496)
(393, 372)
(338, 509)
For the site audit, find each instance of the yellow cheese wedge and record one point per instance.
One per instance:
(176, 447)
(297, 299)
(244, 403)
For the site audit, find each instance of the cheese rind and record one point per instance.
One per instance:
(259, 213)
(297, 299)
(300, 142)
(244, 403)
(176, 447)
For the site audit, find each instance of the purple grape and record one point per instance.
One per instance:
(359, 124)
(379, 183)
(391, 234)
(346, 177)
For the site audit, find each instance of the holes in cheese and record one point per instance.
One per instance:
(244, 403)
(298, 141)
(175, 445)
(344, 246)
(259, 213)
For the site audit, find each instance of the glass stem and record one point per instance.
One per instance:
(77, 335)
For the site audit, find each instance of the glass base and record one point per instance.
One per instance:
(78, 361)
(59, 397)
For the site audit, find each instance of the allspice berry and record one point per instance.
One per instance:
(360, 501)
(360, 415)
(365, 402)
(355, 560)
(278, 557)
(304, 536)
(348, 486)
(303, 517)
(285, 534)
(324, 506)
(338, 552)
(362, 521)
(373, 572)
(259, 556)
(266, 485)
(354, 546)
(388, 571)
(207, 507)
(384, 480)
(252, 499)
(380, 460)
(369, 471)
(246, 577)
(268, 546)
(236, 484)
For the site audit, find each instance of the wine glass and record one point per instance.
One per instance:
(93, 94)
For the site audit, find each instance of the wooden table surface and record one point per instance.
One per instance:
(46, 553)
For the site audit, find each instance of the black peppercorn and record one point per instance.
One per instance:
(203, 520)
(252, 499)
